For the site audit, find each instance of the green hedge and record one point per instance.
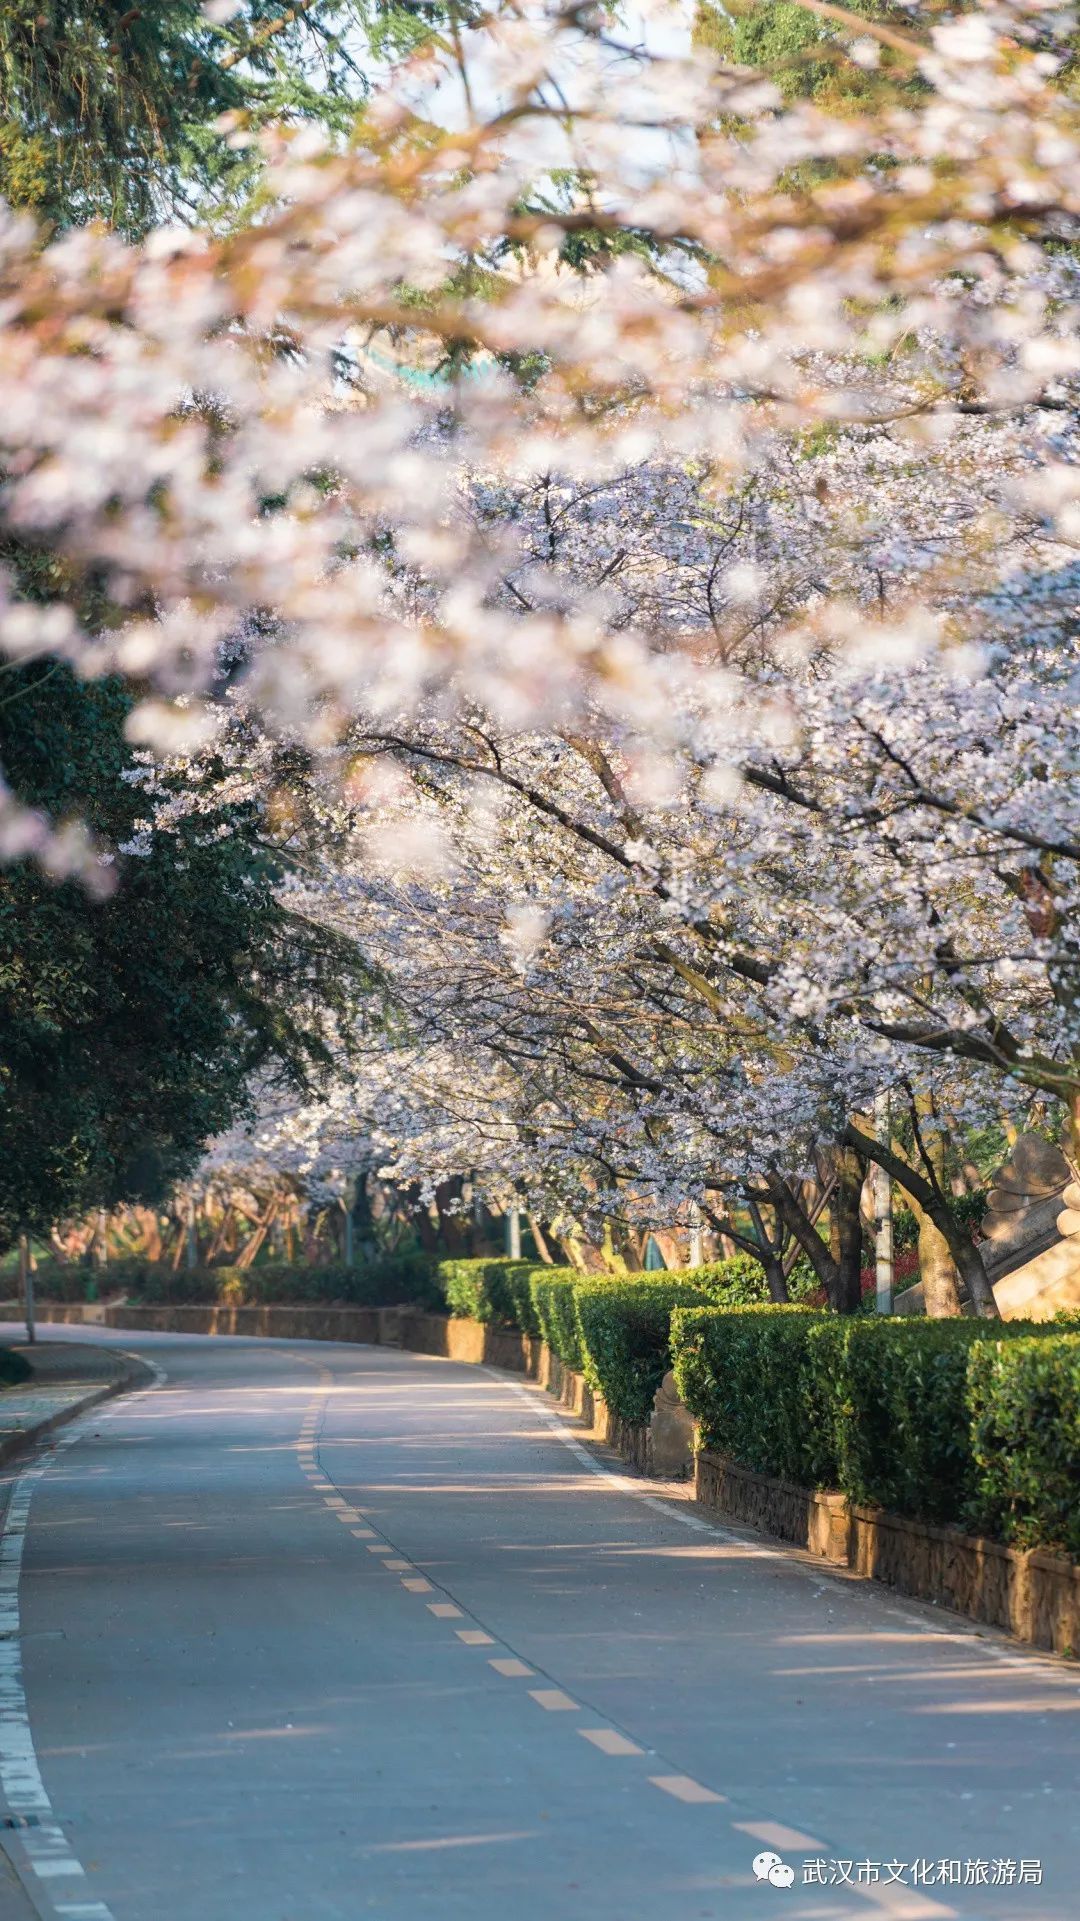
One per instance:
(382, 1283)
(975, 1423)
(626, 1336)
(615, 1329)
(554, 1298)
(1024, 1406)
(745, 1376)
(60, 1281)
(478, 1290)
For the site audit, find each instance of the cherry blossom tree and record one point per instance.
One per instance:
(618, 519)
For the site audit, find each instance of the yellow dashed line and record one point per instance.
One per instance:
(475, 1637)
(445, 1610)
(416, 1584)
(554, 1700)
(363, 1533)
(609, 1742)
(397, 1566)
(504, 1665)
(684, 1788)
(381, 1549)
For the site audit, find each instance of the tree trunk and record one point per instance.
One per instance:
(775, 1278)
(846, 1215)
(938, 1271)
(769, 1251)
(968, 1259)
(800, 1226)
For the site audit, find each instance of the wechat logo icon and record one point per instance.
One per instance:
(769, 1867)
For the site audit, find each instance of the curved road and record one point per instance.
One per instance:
(313, 1633)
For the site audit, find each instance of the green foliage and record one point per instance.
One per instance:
(614, 1329)
(381, 1283)
(626, 1336)
(518, 1284)
(804, 56)
(970, 1209)
(107, 111)
(60, 1281)
(736, 1282)
(777, 38)
(746, 1378)
(895, 1400)
(478, 1290)
(554, 1297)
(13, 1368)
(130, 1027)
(1024, 1410)
(965, 1422)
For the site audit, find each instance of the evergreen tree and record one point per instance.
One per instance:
(130, 1027)
(108, 110)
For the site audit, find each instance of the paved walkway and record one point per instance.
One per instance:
(65, 1372)
(312, 1633)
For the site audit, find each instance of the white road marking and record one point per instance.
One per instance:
(46, 1847)
(974, 1640)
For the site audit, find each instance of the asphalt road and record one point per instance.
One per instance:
(316, 1633)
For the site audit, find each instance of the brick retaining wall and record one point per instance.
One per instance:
(1032, 1594)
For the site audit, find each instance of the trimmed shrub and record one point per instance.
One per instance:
(385, 1283)
(13, 1368)
(737, 1282)
(1023, 1400)
(554, 1299)
(518, 1284)
(61, 1281)
(625, 1328)
(745, 1375)
(968, 1422)
(896, 1402)
(478, 1290)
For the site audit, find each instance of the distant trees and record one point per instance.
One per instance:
(131, 1023)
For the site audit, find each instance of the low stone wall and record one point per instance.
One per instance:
(1034, 1595)
(818, 1521)
(276, 1323)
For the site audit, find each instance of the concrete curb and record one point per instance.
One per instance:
(134, 1374)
